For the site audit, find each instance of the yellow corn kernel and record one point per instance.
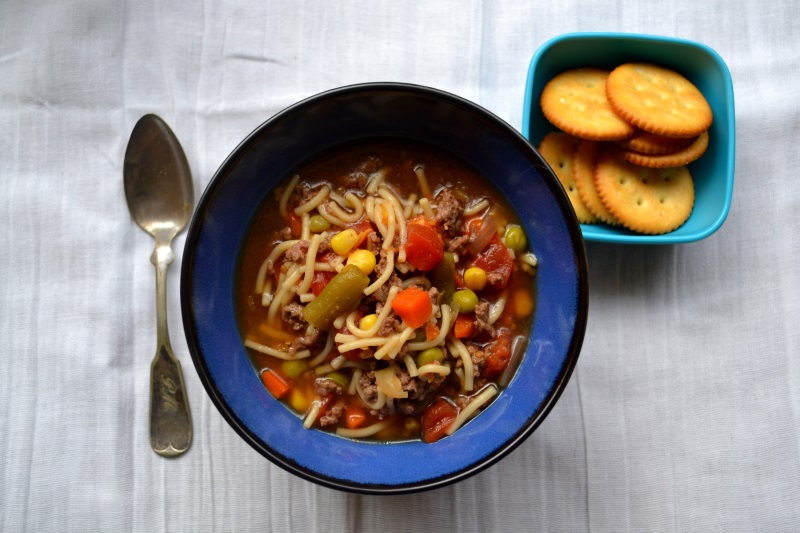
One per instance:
(363, 259)
(344, 241)
(523, 304)
(298, 400)
(368, 321)
(475, 278)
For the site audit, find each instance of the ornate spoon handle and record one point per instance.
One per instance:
(170, 418)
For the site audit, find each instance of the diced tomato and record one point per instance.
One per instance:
(413, 305)
(424, 247)
(320, 280)
(436, 419)
(495, 259)
(295, 224)
(498, 354)
(275, 384)
(464, 326)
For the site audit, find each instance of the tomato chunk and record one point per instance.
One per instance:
(436, 419)
(320, 280)
(498, 354)
(495, 259)
(424, 247)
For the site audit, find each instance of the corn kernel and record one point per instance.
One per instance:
(475, 278)
(368, 321)
(523, 304)
(344, 241)
(298, 400)
(363, 259)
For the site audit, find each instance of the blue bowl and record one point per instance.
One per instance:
(712, 173)
(229, 206)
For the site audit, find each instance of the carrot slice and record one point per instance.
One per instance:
(354, 417)
(464, 327)
(413, 305)
(274, 383)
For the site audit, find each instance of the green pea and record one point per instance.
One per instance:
(293, 369)
(515, 238)
(317, 224)
(466, 300)
(429, 356)
(339, 378)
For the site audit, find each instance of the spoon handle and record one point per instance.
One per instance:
(170, 418)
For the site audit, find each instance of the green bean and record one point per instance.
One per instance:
(443, 277)
(342, 293)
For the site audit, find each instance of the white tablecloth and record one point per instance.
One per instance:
(683, 413)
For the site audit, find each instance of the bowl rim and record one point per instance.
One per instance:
(241, 428)
(588, 231)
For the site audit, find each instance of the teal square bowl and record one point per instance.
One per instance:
(712, 173)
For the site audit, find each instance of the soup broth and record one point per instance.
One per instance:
(385, 291)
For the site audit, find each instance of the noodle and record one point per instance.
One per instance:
(314, 201)
(302, 354)
(261, 277)
(355, 202)
(389, 196)
(362, 343)
(476, 207)
(375, 179)
(422, 281)
(456, 346)
(426, 208)
(312, 414)
(423, 183)
(433, 368)
(324, 353)
(285, 288)
(305, 232)
(477, 402)
(287, 192)
(310, 260)
(411, 366)
(363, 432)
(448, 318)
(266, 295)
(387, 273)
(336, 221)
(380, 401)
(392, 347)
(497, 309)
(371, 332)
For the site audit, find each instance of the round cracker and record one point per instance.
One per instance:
(575, 102)
(646, 200)
(677, 159)
(645, 142)
(558, 149)
(658, 100)
(583, 171)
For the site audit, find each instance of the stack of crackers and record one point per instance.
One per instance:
(625, 139)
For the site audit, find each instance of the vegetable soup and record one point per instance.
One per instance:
(386, 291)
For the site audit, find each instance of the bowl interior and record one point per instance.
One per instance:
(228, 207)
(712, 173)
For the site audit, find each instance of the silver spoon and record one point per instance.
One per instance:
(158, 189)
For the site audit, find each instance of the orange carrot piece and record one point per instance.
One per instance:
(413, 305)
(354, 417)
(431, 331)
(274, 383)
(464, 327)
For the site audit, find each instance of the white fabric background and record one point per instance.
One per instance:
(683, 413)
